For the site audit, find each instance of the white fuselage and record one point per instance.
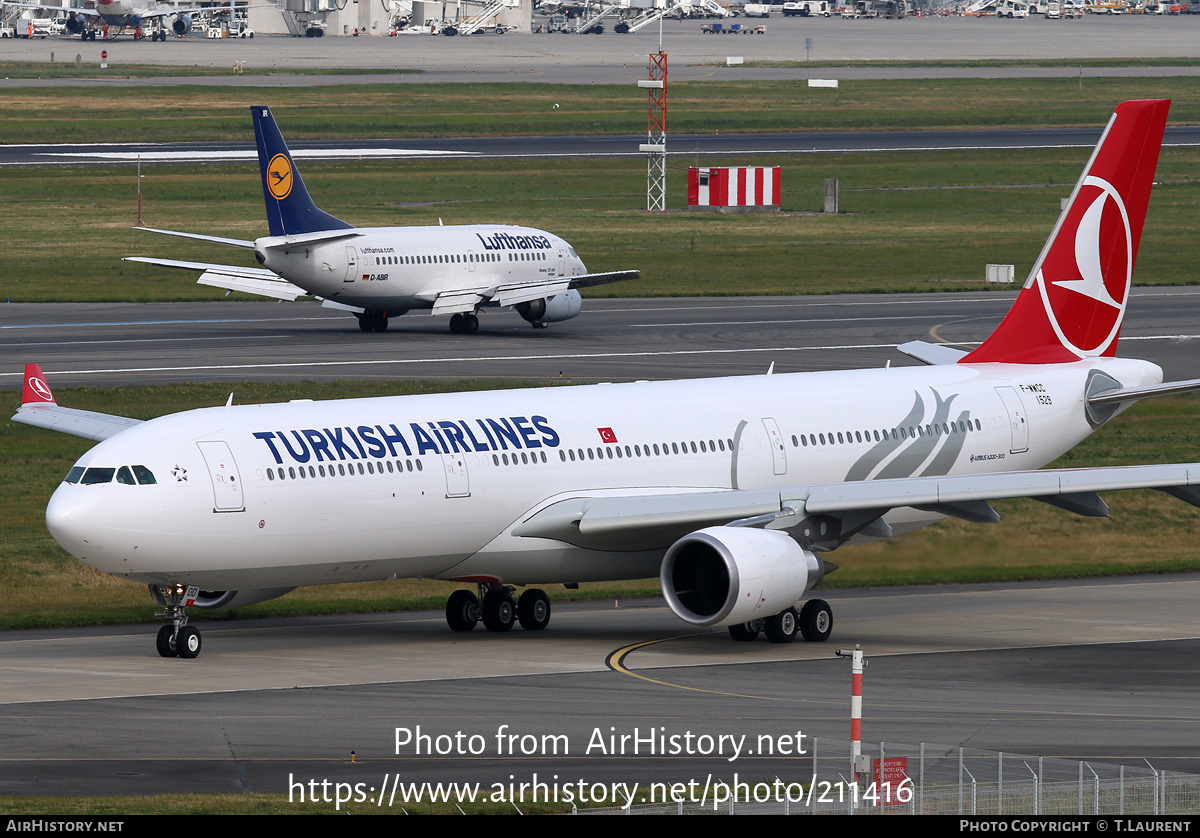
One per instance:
(402, 268)
(125, 12)
(351, 490)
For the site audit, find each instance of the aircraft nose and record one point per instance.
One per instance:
(72, 518)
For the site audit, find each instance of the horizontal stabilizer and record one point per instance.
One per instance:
(932, 353)
(321, 236)
(232, 270)
(1130, 394)
(259, 281)
(249, 245)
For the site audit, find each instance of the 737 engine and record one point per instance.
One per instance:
(554, 309)
(722, 576)
(182, 25)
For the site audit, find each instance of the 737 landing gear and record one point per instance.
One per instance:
(497, 610)
(178, 639)
(464, 324)
(373, 320)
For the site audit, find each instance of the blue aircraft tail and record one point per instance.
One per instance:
(289, 208)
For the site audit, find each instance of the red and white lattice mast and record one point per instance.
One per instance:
(655, 146)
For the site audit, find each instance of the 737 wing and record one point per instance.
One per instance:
(514, 293)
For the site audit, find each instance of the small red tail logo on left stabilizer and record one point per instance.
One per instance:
(1074, 301)
(36, 391)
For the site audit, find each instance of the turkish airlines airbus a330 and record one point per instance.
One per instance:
(732, 490)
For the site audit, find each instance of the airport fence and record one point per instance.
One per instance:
(928, 779)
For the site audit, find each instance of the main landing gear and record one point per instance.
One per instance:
(373, 320)
(814, 622)
(178, 639)
(497, 609)
(464, 324)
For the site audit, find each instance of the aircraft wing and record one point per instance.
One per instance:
(514, 293)
(828, 515)
(590, 280)
(258, 281)
(81, 12)
(38, 408)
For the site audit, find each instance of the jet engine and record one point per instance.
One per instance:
(562, 306)
(239, 599)
(76, 24)
(182, 25)
(722, 576)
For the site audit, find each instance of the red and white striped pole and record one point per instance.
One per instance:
(856, 674)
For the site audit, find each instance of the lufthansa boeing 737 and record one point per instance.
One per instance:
(731, 490)
(382, 272)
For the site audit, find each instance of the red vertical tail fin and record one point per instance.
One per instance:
(1073, 302)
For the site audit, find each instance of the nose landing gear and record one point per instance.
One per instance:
(178, 639)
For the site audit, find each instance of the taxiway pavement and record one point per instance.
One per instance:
(1088, 670)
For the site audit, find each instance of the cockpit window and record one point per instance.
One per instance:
(97, 475)
(125, 476)
(74, 474)
(144, 476)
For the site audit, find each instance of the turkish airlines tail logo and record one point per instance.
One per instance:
(36, 391)
(1074, 301)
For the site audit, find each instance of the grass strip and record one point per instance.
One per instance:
(909, 221)
(177, 113)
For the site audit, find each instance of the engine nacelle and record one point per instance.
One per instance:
(560, 307)
(76, 24)
(722, 576)
(239, 599)
(182, 25)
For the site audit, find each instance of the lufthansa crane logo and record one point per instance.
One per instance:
(40, 388)
(279, 177)
(1085, 288)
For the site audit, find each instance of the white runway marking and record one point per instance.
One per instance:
(372, 362)
(251, 154)
(458, 359)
